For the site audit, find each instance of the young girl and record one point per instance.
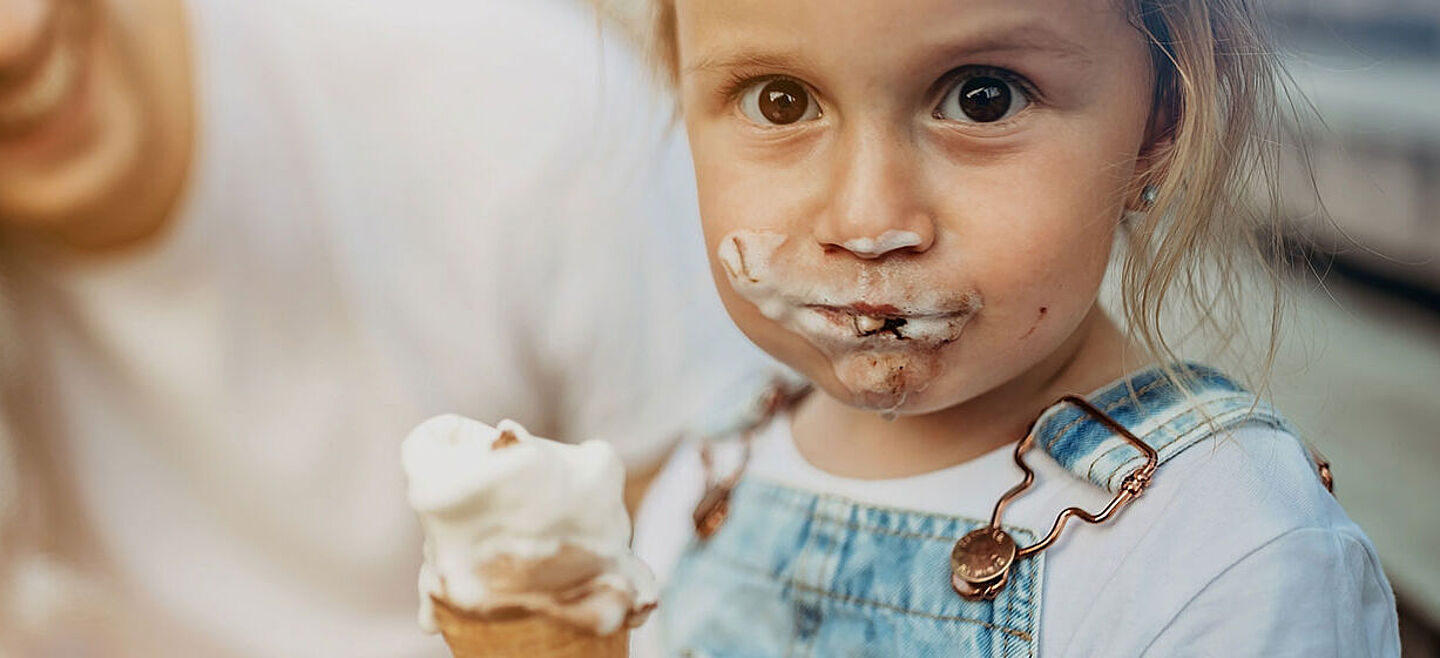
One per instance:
(913, 204)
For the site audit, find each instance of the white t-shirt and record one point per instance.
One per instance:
(398, 209)
(1236, 549)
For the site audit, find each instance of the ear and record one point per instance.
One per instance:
(1159, 141)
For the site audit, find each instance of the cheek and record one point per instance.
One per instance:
(1056, 189)
(738, 198)
(1032, 233)
(733, 200)
(744, 183)
(1058, 195)
(726, 203)
(1047, 232)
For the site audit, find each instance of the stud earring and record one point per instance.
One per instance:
(1149, 194)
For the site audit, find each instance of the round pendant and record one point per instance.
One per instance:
(981, 556)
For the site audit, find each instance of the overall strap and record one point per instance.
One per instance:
(1165, 416)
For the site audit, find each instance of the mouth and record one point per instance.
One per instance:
(877, 311)
(879, 324)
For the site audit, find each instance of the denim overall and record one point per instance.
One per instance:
(795, 573)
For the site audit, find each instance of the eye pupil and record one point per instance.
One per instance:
(985, 99)
(783, 101)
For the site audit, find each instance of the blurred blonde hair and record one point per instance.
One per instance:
(1196, 249)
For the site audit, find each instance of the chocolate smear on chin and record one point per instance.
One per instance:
(884, 380)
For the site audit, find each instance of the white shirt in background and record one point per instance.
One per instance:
(398, 209)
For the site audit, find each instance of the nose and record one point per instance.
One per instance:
(876, 204)
(22, 28)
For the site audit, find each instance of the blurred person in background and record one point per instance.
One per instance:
(245, 246)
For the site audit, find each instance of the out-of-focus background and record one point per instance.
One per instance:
(1360, 369)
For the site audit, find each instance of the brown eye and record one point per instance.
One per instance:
(982, 99)
(778, 102)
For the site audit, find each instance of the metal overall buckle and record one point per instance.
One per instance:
(714, 506)
(980, 562)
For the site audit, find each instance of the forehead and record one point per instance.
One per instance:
(717, 31)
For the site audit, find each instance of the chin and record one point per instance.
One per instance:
(892, 382)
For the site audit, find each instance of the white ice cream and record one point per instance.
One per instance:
(526, 525)
(885, 243)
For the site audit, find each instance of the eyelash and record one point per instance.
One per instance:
(738, 81)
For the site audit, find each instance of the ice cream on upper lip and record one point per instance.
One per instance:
(517, 525)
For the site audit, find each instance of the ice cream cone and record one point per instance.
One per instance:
(508, 573)
(529, 636)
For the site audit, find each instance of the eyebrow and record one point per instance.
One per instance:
(746, 59)
(1029, 36)
(1036, 36)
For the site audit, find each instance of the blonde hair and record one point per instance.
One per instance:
(1215, 211)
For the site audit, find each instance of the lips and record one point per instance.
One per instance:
(878, 324)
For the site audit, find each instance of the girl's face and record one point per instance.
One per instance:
(912, 201)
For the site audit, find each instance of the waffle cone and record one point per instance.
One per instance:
(531, 636)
